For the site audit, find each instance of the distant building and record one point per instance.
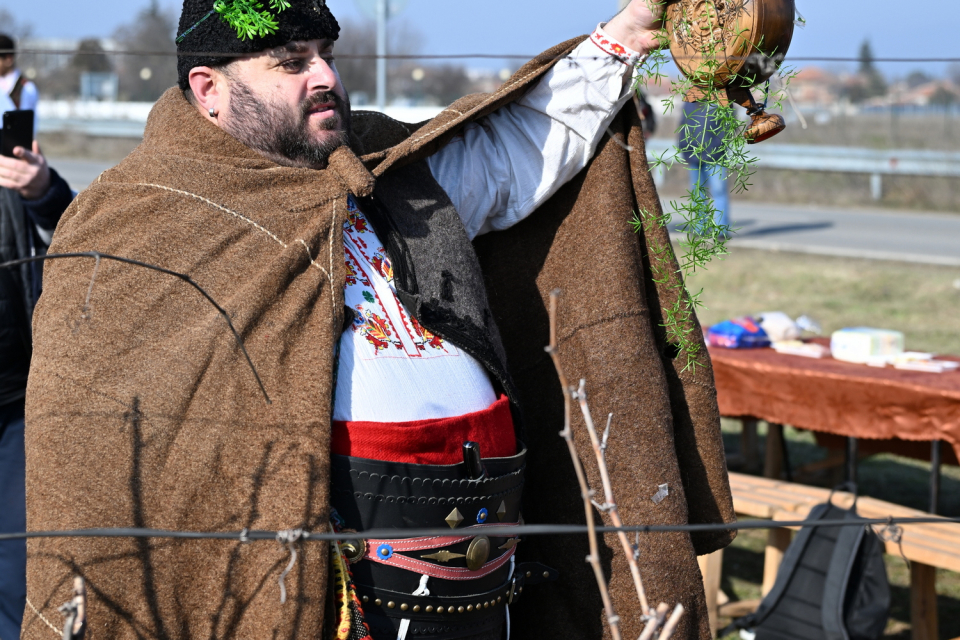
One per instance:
(815, 87)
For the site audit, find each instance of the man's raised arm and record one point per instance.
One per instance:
(503, 167)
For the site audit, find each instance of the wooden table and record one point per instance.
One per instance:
(854, 401)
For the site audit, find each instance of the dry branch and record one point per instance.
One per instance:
(613, 621)
(653, 618)
(609, 505)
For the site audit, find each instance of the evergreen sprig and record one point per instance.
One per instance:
(702, 238)
(249, 18)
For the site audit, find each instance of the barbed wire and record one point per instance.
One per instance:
(496, 532)
(434, 56)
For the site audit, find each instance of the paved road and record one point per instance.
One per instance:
(930, 238)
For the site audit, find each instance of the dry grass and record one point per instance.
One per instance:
(920, 300)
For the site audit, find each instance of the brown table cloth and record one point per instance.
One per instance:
(841, 398)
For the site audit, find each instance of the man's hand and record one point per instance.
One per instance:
(638, 25)
(27, 173)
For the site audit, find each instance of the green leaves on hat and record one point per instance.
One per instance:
(249, 18)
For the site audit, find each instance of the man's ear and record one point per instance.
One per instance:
(209, 89)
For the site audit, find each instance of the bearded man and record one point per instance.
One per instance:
(389, 283)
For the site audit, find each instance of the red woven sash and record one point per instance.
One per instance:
(436, 441)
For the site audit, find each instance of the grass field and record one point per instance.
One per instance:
(920, 300)
(923, 301)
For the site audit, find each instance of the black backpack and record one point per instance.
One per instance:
(832, 584)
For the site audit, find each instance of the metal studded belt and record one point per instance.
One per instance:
(472, 577)
(459, 609)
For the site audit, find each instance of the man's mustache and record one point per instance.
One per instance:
(321, 98)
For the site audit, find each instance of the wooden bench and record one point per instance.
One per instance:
(927, 546)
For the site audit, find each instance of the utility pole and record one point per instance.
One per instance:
(381, 54)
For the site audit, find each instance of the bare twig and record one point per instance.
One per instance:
(74, 612)
(85, 314)
(654, 624)
(672, 623)
(594, 558)
(609, 502)
(606, 433)
(796, 109)
(653, 619)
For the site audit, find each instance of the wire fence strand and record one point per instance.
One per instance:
(432, 56)
(498, 532)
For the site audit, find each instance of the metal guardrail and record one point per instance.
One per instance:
(96, 128)
(85, 119)
(874, 162)
(794, 157)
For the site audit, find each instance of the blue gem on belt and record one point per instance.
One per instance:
(385, 551)
(482, 516)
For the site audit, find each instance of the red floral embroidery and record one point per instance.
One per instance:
(381, 263)
(376, 330)
(610, 46)
(351, 273)
(429, 339)
(355, 220)
(381, 321)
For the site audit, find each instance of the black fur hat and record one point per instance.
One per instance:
(200, 32)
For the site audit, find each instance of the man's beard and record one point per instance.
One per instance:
(283, 134)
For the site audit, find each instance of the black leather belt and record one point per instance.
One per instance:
(372, 494)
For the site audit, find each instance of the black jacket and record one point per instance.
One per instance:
(20, 286)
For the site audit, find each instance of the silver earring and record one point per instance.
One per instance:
(213, 112)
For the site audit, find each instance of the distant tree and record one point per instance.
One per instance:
(65, 81)
(854, 91)
(866, 59)
(943, 97)
(446, 83)
(917, 78)
(953, 73)
(13, 27)
(355, 50)
(432, 84)
(874, 83)
(145, 77)
(90, 56)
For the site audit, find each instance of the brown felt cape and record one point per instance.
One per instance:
(141, 410)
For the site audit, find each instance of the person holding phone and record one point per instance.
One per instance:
(32, 198)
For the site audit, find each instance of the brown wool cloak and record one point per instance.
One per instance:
(142, 412)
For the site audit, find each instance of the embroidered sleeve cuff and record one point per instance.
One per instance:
(610, 46)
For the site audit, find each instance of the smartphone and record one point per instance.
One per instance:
(17, 131)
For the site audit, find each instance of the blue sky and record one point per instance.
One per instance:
(835, 27)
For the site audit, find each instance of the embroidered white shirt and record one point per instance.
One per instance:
(497, 172)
